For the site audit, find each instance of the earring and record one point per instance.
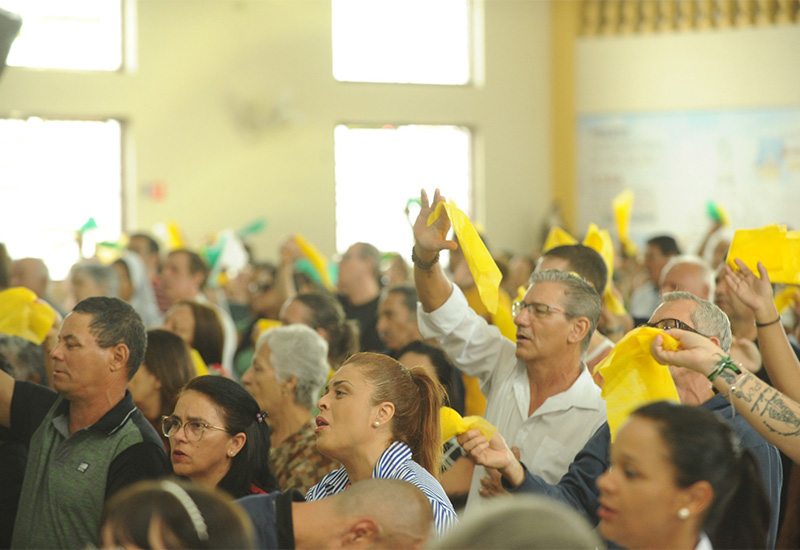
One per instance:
(230, 453)
(684, 513)
(376, 424)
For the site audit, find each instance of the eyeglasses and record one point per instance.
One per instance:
(194, 429)
(669, 324)
(537, 308)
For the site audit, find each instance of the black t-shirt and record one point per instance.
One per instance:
(366, 315)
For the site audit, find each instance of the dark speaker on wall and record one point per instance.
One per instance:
(10, 24)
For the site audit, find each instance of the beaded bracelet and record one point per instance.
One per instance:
(424, 266)
(722, 364)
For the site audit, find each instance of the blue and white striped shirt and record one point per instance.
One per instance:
(396, 463)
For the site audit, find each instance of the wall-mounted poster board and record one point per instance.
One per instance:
(746, 161)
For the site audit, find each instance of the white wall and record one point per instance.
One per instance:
(198, 59)
(730, 71)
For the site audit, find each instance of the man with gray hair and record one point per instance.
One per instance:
(678, 310)
(539, 393)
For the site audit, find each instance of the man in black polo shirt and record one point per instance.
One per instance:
(88, 440)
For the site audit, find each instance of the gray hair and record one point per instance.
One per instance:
(708, 319)
(299, 351)
(26, 357)
(709, 277)
(581, 298)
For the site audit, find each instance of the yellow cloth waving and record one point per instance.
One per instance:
(481, 264)
(773, 246)
(600, 241)
(317, 260)
(453, 424)
(622, 205)
(23, 314)
(633, 378)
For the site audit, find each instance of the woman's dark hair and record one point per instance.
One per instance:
(240, 414)
(448, 375)
(704, 447)
(208, 338)
(417, 400)
(189, 516)
(326, 312)
(168, 359)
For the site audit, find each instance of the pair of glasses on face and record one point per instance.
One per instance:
(669, 324)
(534, 308)
(194, 429)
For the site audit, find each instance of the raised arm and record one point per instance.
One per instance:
(773, 415)
(776, 352)
(433, 286)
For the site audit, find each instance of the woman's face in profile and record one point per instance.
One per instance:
(639, 500)
(346, 417)
(180, 321)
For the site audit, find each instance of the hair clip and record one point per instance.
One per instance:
(261, 416)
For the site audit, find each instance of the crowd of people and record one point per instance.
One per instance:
(147, 408)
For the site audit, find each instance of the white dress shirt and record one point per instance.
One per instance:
(549, 438)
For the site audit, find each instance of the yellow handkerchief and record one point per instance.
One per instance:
(622, 206)
(633, 378)
(316, 258)
(557, 237)
(453, 424)
(785, 297)
(481, 264)
(200, 367)
(773, 246)
(263, 325)
(23, 314)
(600, 241)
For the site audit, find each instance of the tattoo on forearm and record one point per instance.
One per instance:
(777, 409)
(748, 389)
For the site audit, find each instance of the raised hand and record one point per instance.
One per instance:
(431, 239)
(754, 291)
(695, 352)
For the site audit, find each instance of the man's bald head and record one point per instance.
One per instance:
(32, 274)
(688, 274)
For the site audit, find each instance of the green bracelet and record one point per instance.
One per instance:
(722, 364)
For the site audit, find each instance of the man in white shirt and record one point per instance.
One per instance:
(539, 393)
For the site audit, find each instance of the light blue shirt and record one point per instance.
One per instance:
(396, 463)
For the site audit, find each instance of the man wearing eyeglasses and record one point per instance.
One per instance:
(578, 487)
(539, 393)
(88, 440)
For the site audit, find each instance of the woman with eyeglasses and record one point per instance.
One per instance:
(219, 438)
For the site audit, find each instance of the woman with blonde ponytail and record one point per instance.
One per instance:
(380, 419)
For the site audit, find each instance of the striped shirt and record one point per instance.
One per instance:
(396, 463)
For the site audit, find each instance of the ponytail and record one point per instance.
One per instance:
(428, 434)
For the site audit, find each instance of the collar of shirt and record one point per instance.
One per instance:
(109, 423)
(582, 394)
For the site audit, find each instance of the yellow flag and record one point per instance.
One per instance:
(785, 297)
(600, 241)
(452, 424)
(773, 246)
(316, 258)
(23, 314)
(633, 378)
(200, 367)
(481, 264)
(622, 206)
(557, 237)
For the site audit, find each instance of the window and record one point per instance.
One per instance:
(402, 41)
(378, 172)
(56, 175)
(78, 34)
